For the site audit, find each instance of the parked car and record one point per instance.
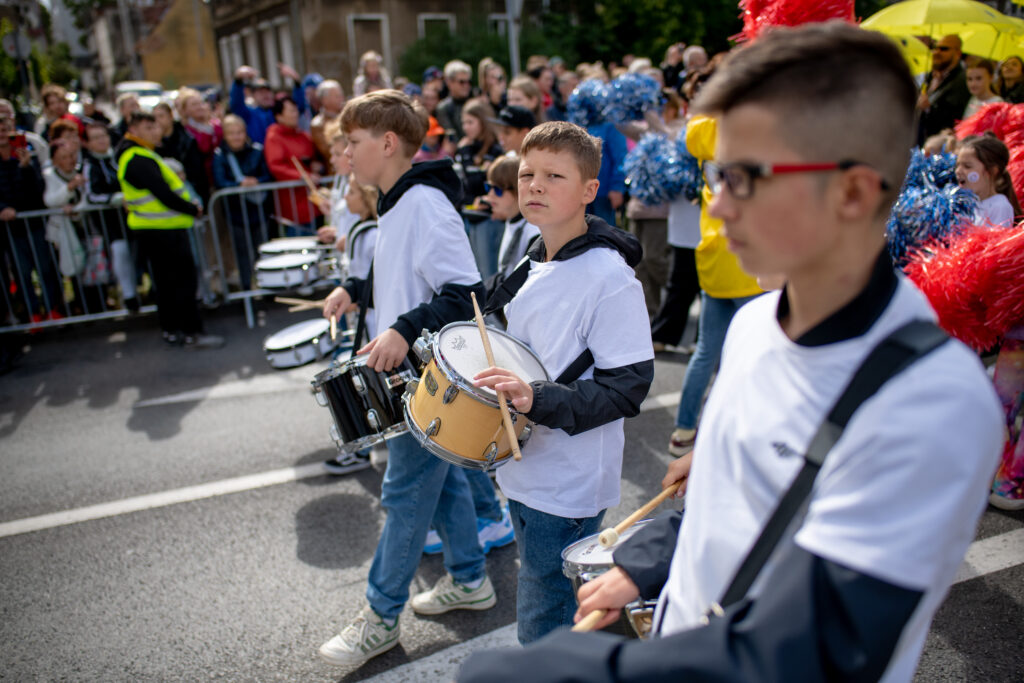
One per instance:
(150, 93)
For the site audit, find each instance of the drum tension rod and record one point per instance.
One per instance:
(434, 427)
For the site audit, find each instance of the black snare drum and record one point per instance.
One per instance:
(366, 405)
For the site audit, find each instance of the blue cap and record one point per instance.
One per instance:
(411, 89)
(312, 80)
(432, 73)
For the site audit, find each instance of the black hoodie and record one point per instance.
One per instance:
(453, 302)
(574, 405)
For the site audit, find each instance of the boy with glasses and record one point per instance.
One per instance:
(851, 586)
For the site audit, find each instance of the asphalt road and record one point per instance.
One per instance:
(201, 541)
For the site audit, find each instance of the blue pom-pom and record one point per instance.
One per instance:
(659, 170)
(931, 206)
(631, 96)
(588, 102)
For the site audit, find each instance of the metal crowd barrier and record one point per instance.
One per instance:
(225, 243)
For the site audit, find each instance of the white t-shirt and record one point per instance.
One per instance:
(341, 218)
(591, 301)
(360, 250)
(683, 223)
(512, 260)
(899, 495)
(421, 246)
(996, 210)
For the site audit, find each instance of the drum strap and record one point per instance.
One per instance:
(903, 347)
(508, 289)
(364, 303)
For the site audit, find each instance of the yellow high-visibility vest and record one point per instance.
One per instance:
(145, 211)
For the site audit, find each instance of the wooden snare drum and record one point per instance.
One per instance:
(456, 421)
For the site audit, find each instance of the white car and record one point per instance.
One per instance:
(150, 93)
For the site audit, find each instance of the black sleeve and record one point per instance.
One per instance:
(647, 555)
(145, 174)
(588, 403)
(820, 621)
(451, 304)
(354, 286)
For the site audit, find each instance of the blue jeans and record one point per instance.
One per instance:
(485, 500)
(602, 207)
(485, 241)
(419, 488)
(545, 598)
(715, 316)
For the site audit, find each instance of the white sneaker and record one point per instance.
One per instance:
(681, 442)
(495, 534)
(366, 637)
(447, 595)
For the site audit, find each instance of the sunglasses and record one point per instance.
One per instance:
(463, 81)
(498, 191)
(738, 177)
(941, 48)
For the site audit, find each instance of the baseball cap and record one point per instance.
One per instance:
(432, 73)
(435, 128)
(516, 117)
(411, 89)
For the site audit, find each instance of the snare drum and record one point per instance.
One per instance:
(300, 343)
(366, 405)
(287, 271)
(453, 419)
(289, 245)
(587, 559)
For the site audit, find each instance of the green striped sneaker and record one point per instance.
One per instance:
(366, 637)
(447, 595)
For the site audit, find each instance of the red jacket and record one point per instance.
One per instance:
(281, 144)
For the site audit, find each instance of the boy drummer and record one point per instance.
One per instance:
(807, 168)
(580, 295)
(421, 278)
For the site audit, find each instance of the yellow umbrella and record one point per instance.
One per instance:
(917, 54)
(984, 31)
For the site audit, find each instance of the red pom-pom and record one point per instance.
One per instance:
(1006, 122)
(759, 15)
(991, 117)
(975, 283)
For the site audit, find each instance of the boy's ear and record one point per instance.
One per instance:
(860, 193)
(590, 190)
(391, 143)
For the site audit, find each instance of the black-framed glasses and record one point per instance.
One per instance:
(941, 48)
(498, 191)
(738, 177)
(463, 81)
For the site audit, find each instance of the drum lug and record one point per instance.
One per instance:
(373, 419)
(491, 454)
(421, 347)
(411, 386)
(434, 427)
(449, 394)
(524, 435)
(358, 384)
(320, 397)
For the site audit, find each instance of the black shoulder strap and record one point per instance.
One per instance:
(907, 344)
(364, 303)
(507, 290)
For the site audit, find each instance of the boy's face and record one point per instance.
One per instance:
(511, 139)
(97, 139)
(339, 162)
(504, 206)
(552, 191)
(365, 154)
(784, 226)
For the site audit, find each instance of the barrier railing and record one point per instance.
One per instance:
(59, 267)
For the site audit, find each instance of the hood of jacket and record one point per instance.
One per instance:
(598, 235)
(438, 173)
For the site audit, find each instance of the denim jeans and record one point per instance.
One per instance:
(602, 207)
(419, 488)
(715, 316)
(545, 598)
(485, 242)
(485, 500)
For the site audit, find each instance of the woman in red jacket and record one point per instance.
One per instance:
(285, 141)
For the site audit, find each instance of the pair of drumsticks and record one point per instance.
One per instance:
(295, 305)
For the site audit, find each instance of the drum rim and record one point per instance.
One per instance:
(440, 451)
(461, 383)
(311, 340)
(262, 266)
(581, 568)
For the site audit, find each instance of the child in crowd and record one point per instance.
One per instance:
(981, 167)
(523, 92)
(503, 195)
(579, 295)
(416, 286)
(433, 142)
(851, 587)
(980, 73)
(334, 203)
(478, 148)
(239, 162)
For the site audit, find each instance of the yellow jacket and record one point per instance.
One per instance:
(718, 269)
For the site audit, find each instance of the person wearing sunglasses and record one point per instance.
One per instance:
(458, 77)
(944, 94)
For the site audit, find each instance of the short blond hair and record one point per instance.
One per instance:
(563, 137)
(385, 111)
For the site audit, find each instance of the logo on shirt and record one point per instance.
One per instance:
(458, 343)
(784, 450)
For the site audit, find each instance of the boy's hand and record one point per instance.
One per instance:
(517, 392)
(336, 303)
(678, 470)
(327, 234)
(611, 591)
(387, 350)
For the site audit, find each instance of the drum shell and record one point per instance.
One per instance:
(353, 392)
(270, 275)
(310, 349)
(289, 245)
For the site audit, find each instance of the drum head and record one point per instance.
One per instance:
(299, 333)
(288, 245)
(461, 350)
(590, 554)
(286, 261)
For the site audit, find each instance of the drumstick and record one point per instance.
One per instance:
(506, 416)
(334, 327)
(305, 176)
(588, 622)
(610, 537)
(305, 303)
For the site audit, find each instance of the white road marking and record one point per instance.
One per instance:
(992, 554)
